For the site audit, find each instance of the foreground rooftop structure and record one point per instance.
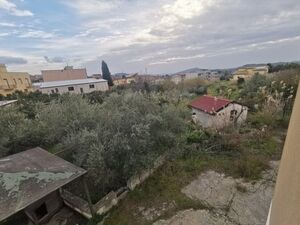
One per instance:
(30, 181)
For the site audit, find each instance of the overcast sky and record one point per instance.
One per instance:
(163, 36)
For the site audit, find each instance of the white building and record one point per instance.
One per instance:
(212, 112)
(72, 86)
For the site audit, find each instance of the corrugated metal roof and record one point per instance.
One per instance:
(68, 82)
(28, 176)
(210, 104)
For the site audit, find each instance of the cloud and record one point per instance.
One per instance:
(6, 24)
(36, 34)
(56, 59)
(12, 60)
(164, 35)
(12, 9)
(93, 7)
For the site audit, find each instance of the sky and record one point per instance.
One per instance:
(153, 36)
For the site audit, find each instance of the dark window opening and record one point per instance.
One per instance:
(81, 90)
(233, 114)
(41, 211)
(52, 91)
(56, 90)
(6, 81)
(71, 88)
(92, 86)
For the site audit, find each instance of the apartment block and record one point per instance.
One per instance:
(13, 81)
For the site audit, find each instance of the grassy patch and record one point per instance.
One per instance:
(243, 155)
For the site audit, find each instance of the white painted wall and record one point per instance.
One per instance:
(98, 86)
(221, 118)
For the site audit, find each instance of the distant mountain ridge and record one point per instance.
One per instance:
(199, 70)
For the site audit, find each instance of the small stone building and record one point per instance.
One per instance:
(213, 112)
(30, 184)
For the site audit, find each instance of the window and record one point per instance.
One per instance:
(15, 81)
(6, 81)
(52, 91)
(27, 81)
(56, 90)
(81, 90)
(20, 81)
(233, 114)
(41, 211)
(92, 86)
(71, 88)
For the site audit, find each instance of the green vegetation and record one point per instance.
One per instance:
(106, 74)
(117, 134)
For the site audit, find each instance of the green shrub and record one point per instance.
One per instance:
(249, 167)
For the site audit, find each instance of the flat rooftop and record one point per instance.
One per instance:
(50, 84)
(30, 175)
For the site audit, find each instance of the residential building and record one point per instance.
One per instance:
(36, 78)
(72, 86)
(284, 209)
(68, 73)
(125, 79)
(31, 186)
(96, 76)
(213, 112)
(248, 72)
(13, 81)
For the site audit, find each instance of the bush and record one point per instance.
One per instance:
(113, 140)
(249, 167)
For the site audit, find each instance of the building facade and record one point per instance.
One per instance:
(126, 79)
(13, 81)
(72, 86)
(248, 72)
(216, 113)
(68, 73)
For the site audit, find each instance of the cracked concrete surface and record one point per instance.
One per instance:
(232, 201)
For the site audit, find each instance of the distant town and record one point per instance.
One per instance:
(76, 80)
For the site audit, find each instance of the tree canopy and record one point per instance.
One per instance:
(106, 74)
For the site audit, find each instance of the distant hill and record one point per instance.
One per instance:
(199, 70)
(192, 70)
(230, 70)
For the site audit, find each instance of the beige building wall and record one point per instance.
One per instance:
(249, 72)
(285, 208)
(222, 118)
(68, 73)
(13, 81)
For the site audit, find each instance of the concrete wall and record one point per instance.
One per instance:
(13, 81)
(98, 86)
(65, 74)
(285, 208)
(221, 118)
(53, 203)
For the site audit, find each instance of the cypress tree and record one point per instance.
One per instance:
(106, 74)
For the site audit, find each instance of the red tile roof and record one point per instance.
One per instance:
(209, 104)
